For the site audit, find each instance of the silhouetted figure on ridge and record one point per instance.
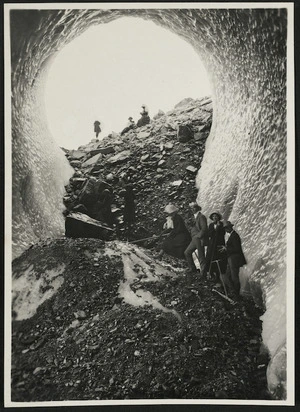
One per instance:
(130, 125)
(97, 128)
(145, 119)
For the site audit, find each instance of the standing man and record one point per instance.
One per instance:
(235, 257)
(216, 260)
(198, 242)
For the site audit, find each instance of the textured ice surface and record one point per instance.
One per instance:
(243, 172)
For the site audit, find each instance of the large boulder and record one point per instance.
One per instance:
(83, 226)
(184, 133)
(119, 158)
(76, 154)
(91, 191)
(106, 149)
(92, 161)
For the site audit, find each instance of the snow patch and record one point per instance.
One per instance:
(139, 268)
(29, 290)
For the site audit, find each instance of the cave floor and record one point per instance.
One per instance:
(85, 343)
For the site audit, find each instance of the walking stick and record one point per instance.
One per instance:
(212, 254)
(232, 302)
(221, 275)
(148, 238)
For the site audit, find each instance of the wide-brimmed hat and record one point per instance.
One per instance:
(228, 224)
(194, 204)
(170, 209)
(130, 118)
(215, 213)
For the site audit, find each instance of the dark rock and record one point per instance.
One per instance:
(91, 191)
(75, 163)
(106, 150)
(81, 225)
(185, 133)
(80, 208)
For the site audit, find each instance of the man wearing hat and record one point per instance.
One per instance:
(130, 125)
(235, 257)
(199, 240)
(216, 260)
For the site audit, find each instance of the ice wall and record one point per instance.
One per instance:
(243, 172)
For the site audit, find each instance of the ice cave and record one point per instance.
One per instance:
(244, 52)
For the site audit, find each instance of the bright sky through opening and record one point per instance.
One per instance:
(109, 71)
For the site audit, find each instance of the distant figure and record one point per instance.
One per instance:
(178, 235)
(145, 110)
(145, 119)
(130, 125)
(129, 207)
(97, 128)
(235, 256)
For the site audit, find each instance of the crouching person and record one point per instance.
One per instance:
(199, 241)
(178, 236)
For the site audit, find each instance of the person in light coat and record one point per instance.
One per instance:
(178, 236)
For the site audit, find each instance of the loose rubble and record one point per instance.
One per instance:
(86, 343)
(151, 158)
(89, 338)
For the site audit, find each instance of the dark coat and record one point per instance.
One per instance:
(199, 230)
(216, 239)
(97, 127)
(234, 250)
(145, 119)
(178, 239)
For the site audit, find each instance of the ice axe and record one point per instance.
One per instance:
(149, 238)
(232, 302)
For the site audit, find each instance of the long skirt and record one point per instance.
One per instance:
(176, 246)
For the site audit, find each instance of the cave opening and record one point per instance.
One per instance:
(110, 70)
(239, 119)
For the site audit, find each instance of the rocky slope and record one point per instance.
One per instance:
(160, 162)
(105, 320)
(118, 325)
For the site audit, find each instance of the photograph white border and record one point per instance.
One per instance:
(290, 200)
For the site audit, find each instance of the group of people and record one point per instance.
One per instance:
(224, 255)
(144, 119)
